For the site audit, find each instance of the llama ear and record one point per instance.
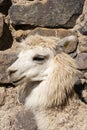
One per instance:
(20, 45)
(64, 43)
(20, 38)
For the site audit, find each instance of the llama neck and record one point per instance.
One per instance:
(56, 91)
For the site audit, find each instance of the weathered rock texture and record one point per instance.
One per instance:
(82, 61)
(47, 14)
(2, 96)
(23, 121)
(6, 59)
(19, 18)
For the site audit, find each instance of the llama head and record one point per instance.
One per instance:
(35, 61)
(41, 60)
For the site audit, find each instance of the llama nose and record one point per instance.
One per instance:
(11, 71)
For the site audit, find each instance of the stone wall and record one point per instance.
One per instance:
(19, 18)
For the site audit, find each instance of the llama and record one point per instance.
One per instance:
(47, 76)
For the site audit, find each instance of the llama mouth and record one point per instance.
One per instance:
(17, 81)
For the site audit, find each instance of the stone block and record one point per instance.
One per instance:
(81, 60)
(6, 59)
(57, 13)
(2, 95)
(82, 46)
(25, 120)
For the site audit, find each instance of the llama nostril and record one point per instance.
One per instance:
(10, 72)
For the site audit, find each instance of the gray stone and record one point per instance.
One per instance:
(46, 14)
(1, 24)
(25, 121)
(82, 46)
(6, 59)
(81, 60)
(83, 29)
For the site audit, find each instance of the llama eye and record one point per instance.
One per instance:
(39, 58)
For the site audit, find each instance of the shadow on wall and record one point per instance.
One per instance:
(4, 6)
(6, 40)
(80, 89)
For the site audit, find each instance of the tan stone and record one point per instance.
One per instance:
(25, 120)
(85, 75)
(82, 44)
(2, 95)
(84, 95)
(6, 59)
(81, 60)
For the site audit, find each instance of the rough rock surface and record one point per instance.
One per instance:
(9, 109)
(6, 59)
(23, 121)
(83, 44)
(82, 61)
(2, 95)
(48, 14)
(83, 29)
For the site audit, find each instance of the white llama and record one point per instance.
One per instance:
(48, 77)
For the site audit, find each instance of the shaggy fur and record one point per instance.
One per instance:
(51, 97)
